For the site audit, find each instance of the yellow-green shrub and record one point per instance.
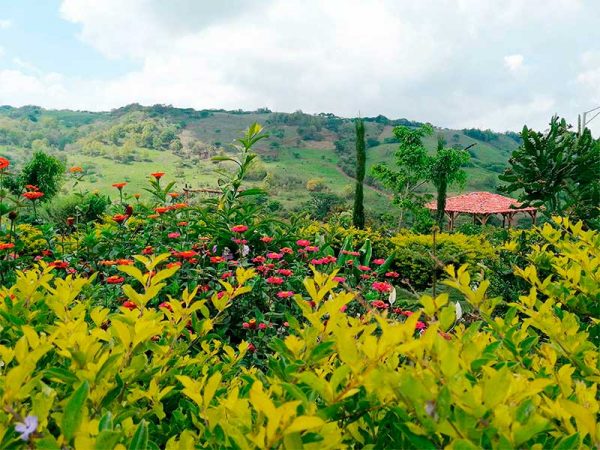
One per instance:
(31, 237)
(95, 379)
(414, 255)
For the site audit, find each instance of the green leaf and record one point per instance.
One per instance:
(47, 443)
(107, 440)
(140, 438)
(74, 411)
(252, 191)
(106, 422)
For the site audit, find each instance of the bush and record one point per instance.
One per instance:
(85, 209)
(414, 255)
(76, 374)
(45, 172)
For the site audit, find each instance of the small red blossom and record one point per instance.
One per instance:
(286, 250)
(379, 261)
(173, 264)
(379, 304)
(119, 186)
(339, 279)
(266, 239)
(275, 280)
(382, 286)
(166, 305)
(259, 259)
(392, 274)
(274, 255)
(157, 175)
(124, 262)
(129, 305)
(285, 272)
(420, 325)
(4, 163)
(148, 250)
(364, 268)
(285, 294)
(173, 235)
(311, 248)
(187, 254)
(59, 264)
(33, 195)
(120, 218)
(217, 259)
(115, 279)
(302, 242)
(239, 228)
(6, 245)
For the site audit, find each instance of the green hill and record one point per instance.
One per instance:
(128, 143)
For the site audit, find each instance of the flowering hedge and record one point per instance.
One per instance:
(179, 325)
(79, 374)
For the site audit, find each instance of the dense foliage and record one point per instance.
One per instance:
(558, 170)
(173, 321)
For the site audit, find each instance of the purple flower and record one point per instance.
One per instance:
(27, 428)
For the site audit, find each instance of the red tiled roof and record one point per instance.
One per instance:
(481, 203)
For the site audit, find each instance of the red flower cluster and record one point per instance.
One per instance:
(4, 163)
(119, 186)
(33, 195)
(382, 286)
(325, 260)
(6, 246)
(120, 218)
(379, 304)
(275, 280)
(239, 228)
(115, 279)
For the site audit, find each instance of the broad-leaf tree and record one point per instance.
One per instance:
(415, 168)
(410, 173)
(558, 170)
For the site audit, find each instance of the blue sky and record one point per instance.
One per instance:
(38, 35)
(455, 63)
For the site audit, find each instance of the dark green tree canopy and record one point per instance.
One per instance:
(45, 172)
(358, 216)
(558, 170)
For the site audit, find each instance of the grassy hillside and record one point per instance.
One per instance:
(128, 143)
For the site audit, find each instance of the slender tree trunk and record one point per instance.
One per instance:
(442, 188)
(358, 217)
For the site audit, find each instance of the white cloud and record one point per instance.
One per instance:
(513, 63)
(434, 60)
(5, 23)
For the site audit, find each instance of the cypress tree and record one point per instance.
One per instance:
(358, 217)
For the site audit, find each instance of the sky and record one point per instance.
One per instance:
(495, 64)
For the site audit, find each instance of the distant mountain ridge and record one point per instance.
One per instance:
(301, 147)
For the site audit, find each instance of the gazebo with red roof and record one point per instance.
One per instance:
(481, 205)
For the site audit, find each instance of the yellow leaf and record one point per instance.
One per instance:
(303, 423)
